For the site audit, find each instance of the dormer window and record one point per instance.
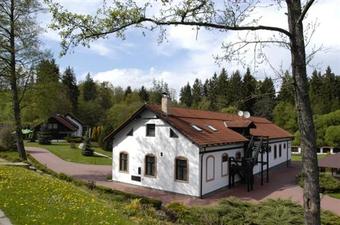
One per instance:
(130, 133)
(196, 128)
(173, 134)
(212, 128)
(150, 130)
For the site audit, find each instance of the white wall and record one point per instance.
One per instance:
(219, 181)
(138, 145)
(79, 132)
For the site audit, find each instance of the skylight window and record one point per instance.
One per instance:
(212, 128)
(196, 128)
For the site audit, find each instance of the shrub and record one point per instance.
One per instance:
(73, 139)
(7, 139)
(44, 136)
(328, 183)
(87, 150)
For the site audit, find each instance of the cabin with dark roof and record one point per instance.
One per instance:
(195, 152)
(61, 126)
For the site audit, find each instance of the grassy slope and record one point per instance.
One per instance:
(64, 151)
(30, 198)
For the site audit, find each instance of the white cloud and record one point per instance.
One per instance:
(199, 47)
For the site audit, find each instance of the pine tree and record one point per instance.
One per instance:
(186, 95)
(143, 94)
(286, 93)
(89, 89)
(213, 92)
(235, 90)
(127, 91)
(197, 93)
(248, 92)
(315, 85)
(265, 98)
(328, 90)
(222, 90)
(70, 84)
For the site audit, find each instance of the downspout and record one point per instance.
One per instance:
(201, 177)
(287, 148)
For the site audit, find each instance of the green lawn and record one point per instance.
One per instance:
(64, 151)
(10, 156)
(30, 198)
(298, 157)
(335, 195)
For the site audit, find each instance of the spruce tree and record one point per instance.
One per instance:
(186, 95)
(248, 92)
(235, 90)
(143, 94)
(197, 92)
(89, 89)
(70, 84)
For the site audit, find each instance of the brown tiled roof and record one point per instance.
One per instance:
(332, 161)
(182, 119)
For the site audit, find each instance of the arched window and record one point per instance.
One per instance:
(123, 162)
(150, 165)
(181, 169)
(238, 156)
(210, 168)
(224, 166)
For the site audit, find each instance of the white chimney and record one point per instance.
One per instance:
(165, 103)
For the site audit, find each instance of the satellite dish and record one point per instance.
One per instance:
(240, 113)
(246, 114)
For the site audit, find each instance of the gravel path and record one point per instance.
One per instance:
(3, 219)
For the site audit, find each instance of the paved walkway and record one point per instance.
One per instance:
(4, 220)
(282, 184)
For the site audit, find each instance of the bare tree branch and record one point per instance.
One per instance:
(305, 10)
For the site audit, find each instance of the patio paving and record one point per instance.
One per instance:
(282, 184)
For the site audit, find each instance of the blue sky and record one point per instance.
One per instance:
(139, 59)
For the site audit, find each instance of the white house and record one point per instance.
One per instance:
(188, 151)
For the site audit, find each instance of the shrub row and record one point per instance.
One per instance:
(328, 183)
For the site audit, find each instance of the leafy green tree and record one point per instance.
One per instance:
(186, 95)
(89, 89)
(48, 97)
(19, 52)
(328, 91)
(285, 116)
(230, 110)
(157, 90)
(105, 95)
(332, 136)
(70, 84)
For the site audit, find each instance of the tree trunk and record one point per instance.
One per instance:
(14, 89)
(311, 197)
